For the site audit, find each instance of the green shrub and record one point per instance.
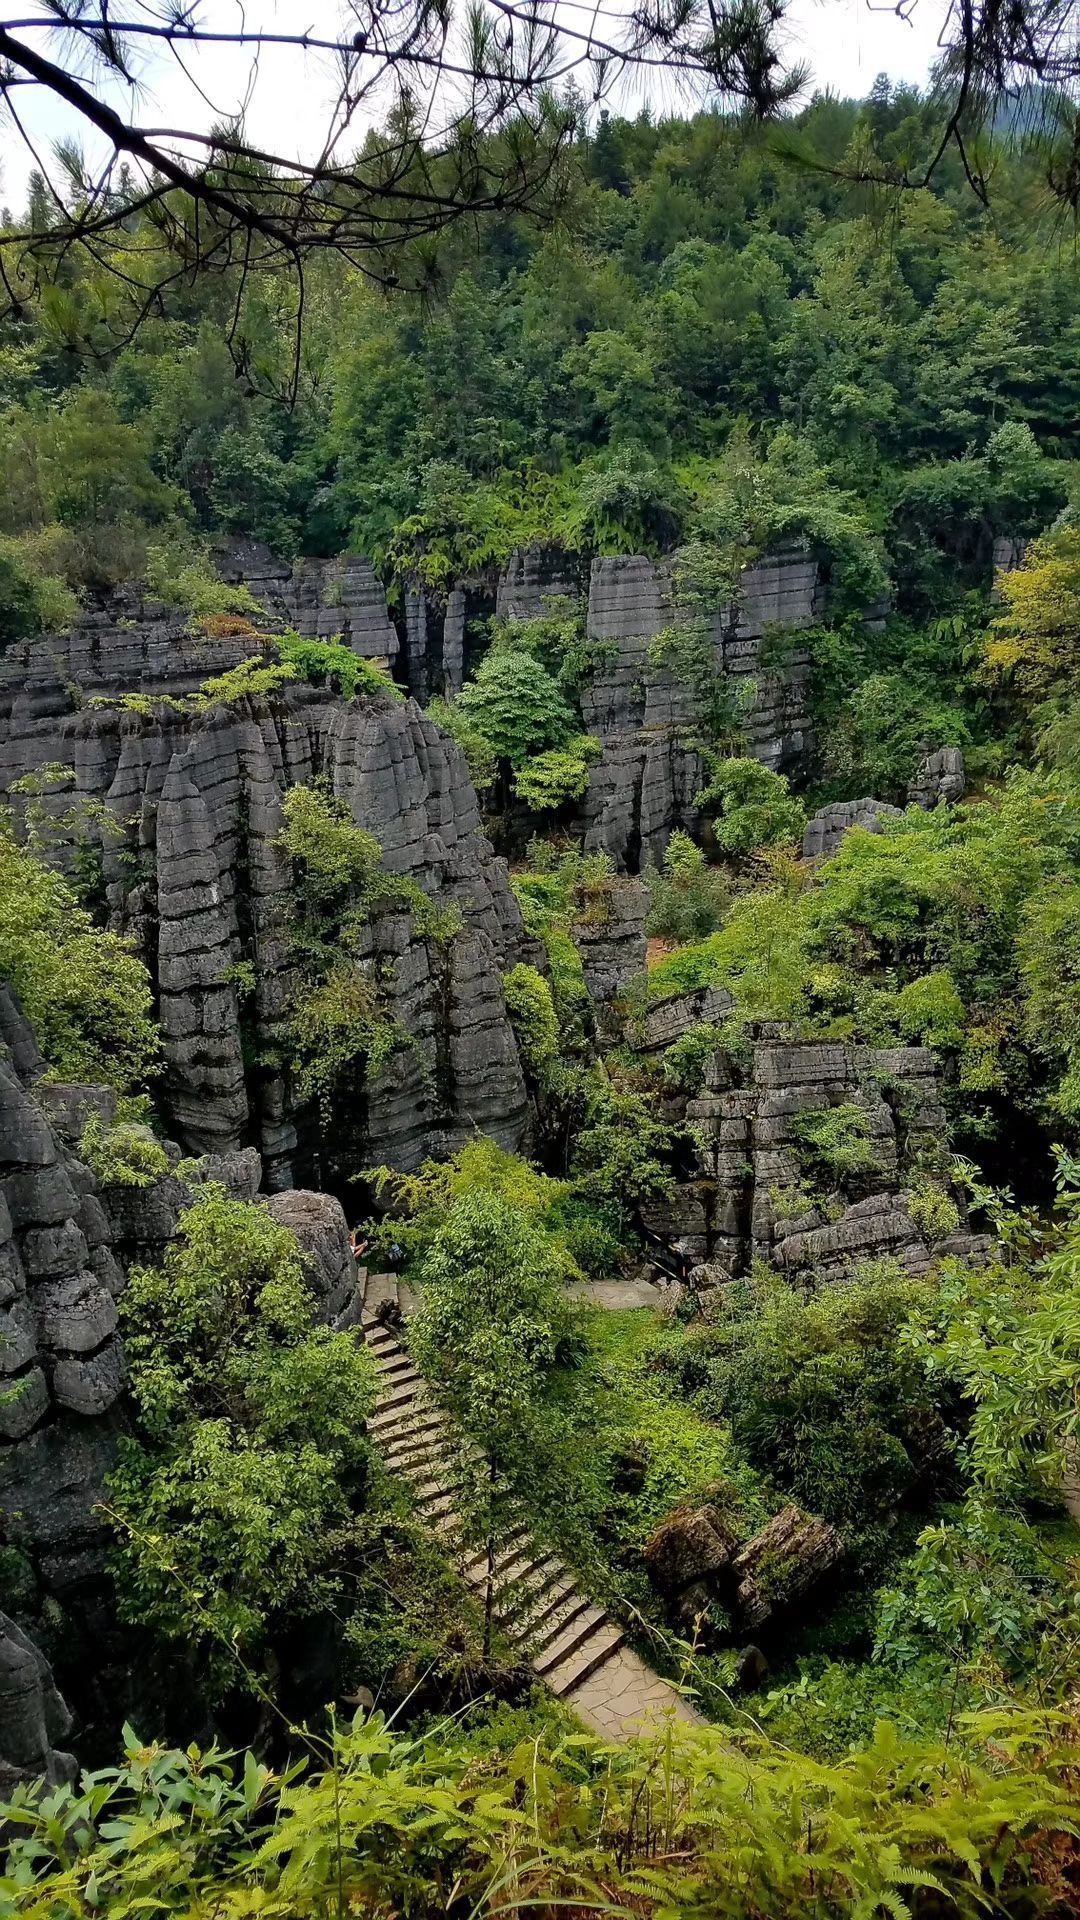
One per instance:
(234, 1502)
(687, 899)
(825, 1394)
(932, 1208)
(386, 1820)
(834, 1141)
(687, 1059)
(338, 1023)
(183, 576)
(755, 807)
(624, 1153)
(348, 672)
(551, 780)
(122, 1156)
(532, 1013)
(516, 706)
(86, 993)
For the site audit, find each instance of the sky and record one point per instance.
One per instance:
(845, 43)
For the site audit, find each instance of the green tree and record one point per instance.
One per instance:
(86, 993)
(236, 1499)
(493, 1316)
(516, 705)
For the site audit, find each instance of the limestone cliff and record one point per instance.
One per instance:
(755, 1194)
(644, 784)
(193, 870)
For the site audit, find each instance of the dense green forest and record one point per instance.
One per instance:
(722, 350)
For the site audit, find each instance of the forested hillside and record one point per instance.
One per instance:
(540, 1067)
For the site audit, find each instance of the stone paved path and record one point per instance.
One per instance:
(572, 1645)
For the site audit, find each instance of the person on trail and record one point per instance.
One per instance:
(358, 1244)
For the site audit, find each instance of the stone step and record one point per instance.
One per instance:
(408, 1452)
(578, 1667)
(392, 1383)
(581, 1628)
(540, 1632)
(436, 1505)
(381, 1339)
(540, 1609)
(396, 1396)
(418, 1438)
(527, 1573)
(397, 1411)
(540, 1598)
(507, 1553)
(391, 1354)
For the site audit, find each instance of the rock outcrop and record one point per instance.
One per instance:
(940, 776)
(792, 1554)
(644, 716)
(320, 599)
(194, 872)
(760, 1191)
(65, 1245)
(609, 934)
(694, 1558)
(33, 1717)
(826, 829)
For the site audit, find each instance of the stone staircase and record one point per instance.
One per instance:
(571, 1644)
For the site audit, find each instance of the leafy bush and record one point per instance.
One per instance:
(480, 755)
(348, 672)
(624, 1153)
(338, 1023)
(516, 706)
(31, 599)
(235, 1501)
(687, 1059)
(1035, 637)
(552, 779)
(688, 898)
(385, 1820)
(532, 1012)
(755, 806)
(255, 678)
(933, 1209)
(85, 993)
(834, 1141)
(183, 576)
(122, 1156)
(825, 1394)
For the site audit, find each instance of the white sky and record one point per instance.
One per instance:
(846, 43)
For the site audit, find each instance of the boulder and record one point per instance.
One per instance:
(826, 829)
(692, 1545)
(791, 1554)
(33, 1717)
(318, 1221)
(939, 777)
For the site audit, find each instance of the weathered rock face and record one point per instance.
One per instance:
(611, 941)
(320, 599)
(33, 1717)
(826, 830)
(694, 1558)
(940, 776)
(65, 1246)
(194, 872)
(644, 784)
(757, 1193)
(793, 1553)
(319, 1223)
